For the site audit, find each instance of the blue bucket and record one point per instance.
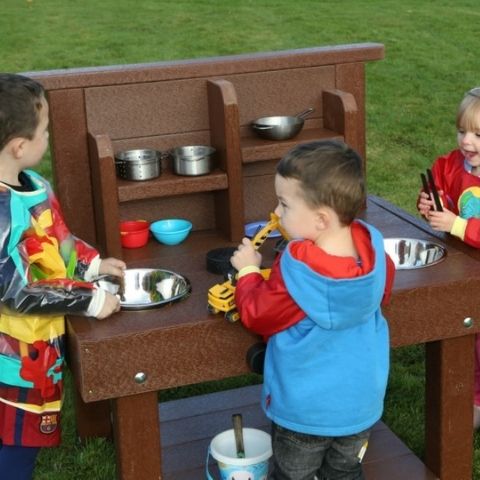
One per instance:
(254, 466)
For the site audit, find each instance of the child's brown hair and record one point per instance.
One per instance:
(330, 174)
(20, 105)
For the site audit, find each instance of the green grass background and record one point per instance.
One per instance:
(412, 96)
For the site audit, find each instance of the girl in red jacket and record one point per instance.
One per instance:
(457, 177)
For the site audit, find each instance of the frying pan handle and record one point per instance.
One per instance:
(305, 113)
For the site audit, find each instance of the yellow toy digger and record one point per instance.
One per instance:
(221, 297)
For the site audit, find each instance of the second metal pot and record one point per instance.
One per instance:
(193, 160)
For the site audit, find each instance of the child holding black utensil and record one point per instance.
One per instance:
(457, 178)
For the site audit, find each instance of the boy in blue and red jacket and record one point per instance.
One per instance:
(327, 358)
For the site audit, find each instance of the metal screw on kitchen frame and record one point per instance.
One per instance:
(468, 322)
(140, 377)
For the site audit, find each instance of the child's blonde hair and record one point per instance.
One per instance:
(468, 114)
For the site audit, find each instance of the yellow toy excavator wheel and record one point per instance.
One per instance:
(232, 316)
(212, 309)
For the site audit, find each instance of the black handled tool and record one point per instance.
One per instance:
(425, 186)
(433, 189)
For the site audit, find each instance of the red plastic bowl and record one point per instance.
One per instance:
(134, 233)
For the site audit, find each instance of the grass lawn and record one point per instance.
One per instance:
(412, 97)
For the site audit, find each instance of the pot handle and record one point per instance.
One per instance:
(305, 113)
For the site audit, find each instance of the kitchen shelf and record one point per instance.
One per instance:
(224, 199)
(170, 184)
(256, 149)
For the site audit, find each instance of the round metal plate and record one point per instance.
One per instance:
(411, 253)
(148, 288)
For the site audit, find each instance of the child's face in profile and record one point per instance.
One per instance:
(296, 216)
(468, 138)
(34, 149)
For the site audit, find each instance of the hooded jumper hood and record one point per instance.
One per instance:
(346, 302)
(327, 374)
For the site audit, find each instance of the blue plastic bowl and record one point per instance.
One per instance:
(171, 231)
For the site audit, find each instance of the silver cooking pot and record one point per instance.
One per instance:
(193, 160)
(280, 127)
(141, 164)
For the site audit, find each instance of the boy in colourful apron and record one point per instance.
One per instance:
(45, 272)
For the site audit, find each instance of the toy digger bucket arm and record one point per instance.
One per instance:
(259, 239)
(274, 224)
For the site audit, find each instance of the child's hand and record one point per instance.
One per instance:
(424, 204)
(112, 266)
(111, 305)
(245, 256)
(441, 221)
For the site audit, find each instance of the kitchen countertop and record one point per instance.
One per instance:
(183, 344)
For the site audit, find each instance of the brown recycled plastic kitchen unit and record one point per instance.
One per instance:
(120, 364)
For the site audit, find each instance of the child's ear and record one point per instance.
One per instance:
(15, 147)
(322, 219)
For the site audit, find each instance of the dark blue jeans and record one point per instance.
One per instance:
(17, 463)
(298, 456)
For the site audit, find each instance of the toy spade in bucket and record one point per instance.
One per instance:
(241, 453)
(238, 433)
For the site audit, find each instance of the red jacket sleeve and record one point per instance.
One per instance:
(390, 277)
(266, 307)
(472, 232)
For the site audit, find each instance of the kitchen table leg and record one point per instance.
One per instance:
(136, 430)
(92, 419)
(449, 369)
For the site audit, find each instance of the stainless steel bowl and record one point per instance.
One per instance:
(193, 160)
(138, 165)
(147, 288)
(280, 127)
(411, 253)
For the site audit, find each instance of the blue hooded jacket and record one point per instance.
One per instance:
(327, 374)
